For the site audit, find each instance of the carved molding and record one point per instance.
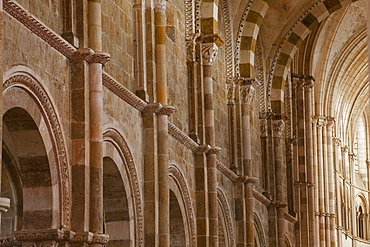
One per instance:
(209, 53)
(259, 228)
(261, 198)
(189, 19)
(214, 150)
(166, 110)
(228, 218)
(113, 136)
(41, 238)
(182, 137)
(227, 172)
(179, 178)
(158, 108)
(36, 27)
(31, 85)
(123, 93)
(229, 41)
(278, 127)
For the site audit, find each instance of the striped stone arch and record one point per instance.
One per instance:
(314, 15)
(247, 36)
(181, 189)
(26, 80)
(112, 136)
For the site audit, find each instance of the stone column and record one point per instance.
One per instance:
(309, 84)
(326, 181)
(278, 127)
(96, 62)
(247, 92)
(209, 52)
(162, 122)
(330, 176)
(317, 180)
(321, 183)
(231, 107)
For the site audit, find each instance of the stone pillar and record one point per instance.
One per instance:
(330, 176)
(321, 182)
(247, 92)
(192, 66)
(209, 52)
(162, 122)
(278, 127)
(326, 182)
(231, 107)
(317, 180)
(96, 122)
(309, 84)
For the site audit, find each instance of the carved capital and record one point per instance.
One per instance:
(209, 53)
(100, 238)
(214, 150)
(202, 149)
(48, 237)
(99, 57)
(90, 56)
(4, 204)
(330, 122)
(309, 82)
(152, 108)
(263, 127)
(231, 94)
(82, 54)
(160, 5)
(190, 47)
(321, 122)
(368, 163)
(344, 149)
(166, 110)
(278, 127)
(246, 94)
(249, 81)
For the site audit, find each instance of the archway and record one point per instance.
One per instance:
(116, 211)
(28, 178)
(177, 229)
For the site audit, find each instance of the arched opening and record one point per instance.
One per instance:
(26, 175)
(177, 228)
(360, 222)
(116, 210)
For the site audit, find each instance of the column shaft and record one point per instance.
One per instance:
(162, 121)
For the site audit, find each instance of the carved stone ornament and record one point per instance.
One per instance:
(278, 127)
(184, 139)
(232, 176)
(263, 127)
(166, 110)
(231, 94)
(190, 47)
(221, 198)
(123, 93)
(82, 54)
(160, 5)
(344, 149)
(42, 238)
(246, 94)
(214, 150)
(99, 57)
(209, 53)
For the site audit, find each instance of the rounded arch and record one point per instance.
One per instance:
(179, 187)
(292, 40)
(21, 79)
(113, 137)
(259, 230)
(248, 30)
(226, 216)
